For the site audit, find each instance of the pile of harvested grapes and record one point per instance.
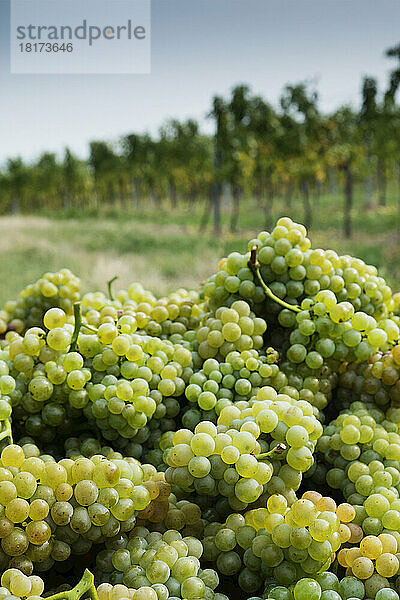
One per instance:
(234, 442)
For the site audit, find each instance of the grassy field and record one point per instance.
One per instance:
(165, 250)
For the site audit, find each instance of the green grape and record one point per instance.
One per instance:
(330, 595)
(300, 538)
(228, 563)
(386, 594)
(307, 589)
(280, 593)
(192, 587)
(327, 581)
(350, 587)
(158, 572)
(225, 540)
(376, 505)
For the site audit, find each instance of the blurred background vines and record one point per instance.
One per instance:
(338, 173)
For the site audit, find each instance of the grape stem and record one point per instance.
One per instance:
(279, 449)
(109, 286)
(92, 329)
(254, 265)
(78, 325)
(7, 431)
(84, 586)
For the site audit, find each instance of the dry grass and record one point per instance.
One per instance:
(162, 255)
(30, 246)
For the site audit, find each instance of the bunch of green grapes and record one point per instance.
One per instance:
(157, 591)
(52, 509)
(167, 512)
(222, 459)
(327, 586)
(333, 307)
(119, 380)
(174, 317)
(374, 381)
(44, 380)
(307, 533)
(353, 432)
(376, 478)
(239, 377)
(286, 420)
(87, 446)
(163, 506)
(373, 555)
(144, 372)
(361, 432)
(279, 420)
(325, 328)
(216, 460)
(148, 558)
(370, 476)
(59, 289)
(279, 542)
(294, 271)
(15, 584)
(219, 384)
(227, 329)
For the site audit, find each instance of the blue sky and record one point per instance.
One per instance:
(199, 48)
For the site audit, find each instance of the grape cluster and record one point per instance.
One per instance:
(14, 584)
(150, 559)
(362, 433)
(174, 317)
(354, 431)
(118, 381)
(326, 328)
(327, 586)
(375, 554)
(52, 509)
(59, 289)
(335, 309)
(375, 381)
(213, 462)
(281, 542)
(228, 458)
(238, 378)
(228, 329)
